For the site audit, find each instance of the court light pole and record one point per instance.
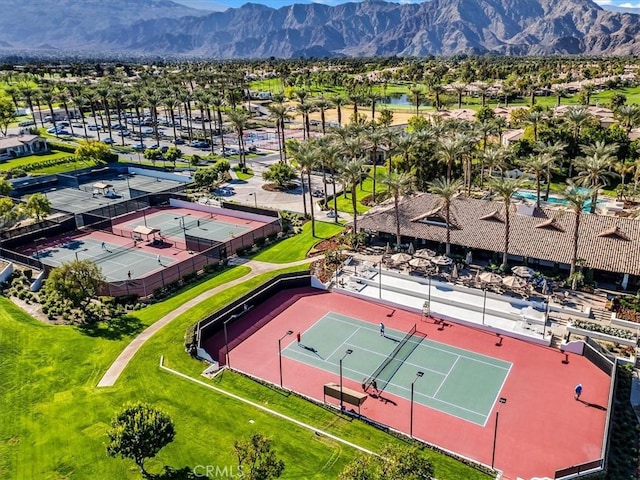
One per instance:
(418, 375)
(484, 304)
(226, 342)
(255, 199)
(289, 332)
(348, 352)
(501, 401)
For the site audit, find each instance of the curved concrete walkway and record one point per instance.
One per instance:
(257, 268)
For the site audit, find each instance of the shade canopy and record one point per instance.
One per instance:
(400, 257)
(442, 260)
(514, 282)
(144, 230)
(424, 253)
(419, 262)
(522, 271)
(490, 277)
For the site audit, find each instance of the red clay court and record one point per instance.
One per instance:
(542, 428)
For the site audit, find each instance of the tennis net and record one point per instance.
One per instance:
(388, 368)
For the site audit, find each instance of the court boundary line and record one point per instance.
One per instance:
(344, 343)
(444, 380)
(402, 388)
(436, 348)
(373, 352)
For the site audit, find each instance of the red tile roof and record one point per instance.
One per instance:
(606, 243)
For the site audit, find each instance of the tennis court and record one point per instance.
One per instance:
(116, 261)
(202, 226)
(455, 381)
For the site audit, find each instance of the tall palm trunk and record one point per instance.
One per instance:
(574, 256)
(397, 212)
(448, 216)
(355, 207)
(304, 195)
(313, 220)
(507, 219)
(335, 197)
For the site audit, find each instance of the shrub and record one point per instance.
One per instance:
(259, 242)
(190, 341)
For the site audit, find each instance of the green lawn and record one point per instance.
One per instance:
(363, 190)
(53, 419)
(296, 247)
(241, 175)
(21, 162)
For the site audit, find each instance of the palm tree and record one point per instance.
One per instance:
(536, 165)
(506, 90)
(47, 96)
(534, 118)
(322, 104)
(329, 153)
(483, 89)
(505, 189)
(374, 138)
(559, 92)
(493, 157)
(437, 91)
(338, 102)
(576, 198)
(103, 90)
(373, 98)
(576, 117)
(279, 113)
(553, 151)
(447, 190)
(79, 101)
(398, 184)
(29, 94)
(623, 168)
(415, 95)
(628, 116)
(239, 118)
(448, 151)
(460, 89)
(595, 172)
(351, 172)
(305, 109)
(306, 159)
(586, 91)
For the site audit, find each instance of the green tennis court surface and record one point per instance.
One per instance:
(115, 261)
(174, 225)
(455, 381)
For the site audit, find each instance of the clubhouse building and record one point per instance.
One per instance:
(539, 237)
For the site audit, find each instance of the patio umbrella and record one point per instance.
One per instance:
(469, 258)
(454, 272)
(489, 277)
(425, 253)
(522, 271)
(442, 261)
(419, 262)
(411, 249)
(400, 257)
(514, 282)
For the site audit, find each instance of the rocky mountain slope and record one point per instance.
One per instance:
(373, 27)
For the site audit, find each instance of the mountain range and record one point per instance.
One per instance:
(369, 28)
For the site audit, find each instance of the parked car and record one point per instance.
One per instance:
(317, 193)
(147, 131)
(164, 149)
(332, 214)
(124, 133)
(155, 146)
(108, 141)
(94, 128)
(139, 147)
(57, 130)
(227, 151)
(179, 141)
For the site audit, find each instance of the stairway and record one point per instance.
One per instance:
(601, 315)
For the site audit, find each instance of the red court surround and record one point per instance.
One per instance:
(541, 427)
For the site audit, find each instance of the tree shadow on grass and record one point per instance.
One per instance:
(170, 473)
(115, 329)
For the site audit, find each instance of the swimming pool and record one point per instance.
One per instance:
(554, 200)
